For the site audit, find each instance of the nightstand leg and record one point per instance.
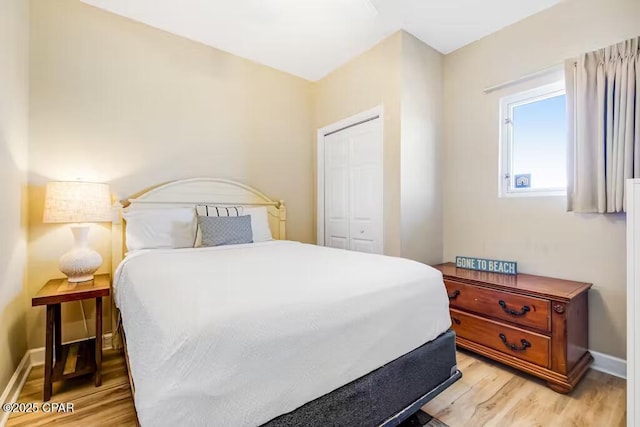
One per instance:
(48, 353)
(98, 341)
(57, 336)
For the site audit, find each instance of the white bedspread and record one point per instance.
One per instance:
(237, 335)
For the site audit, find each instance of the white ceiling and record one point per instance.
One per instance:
(311, 38)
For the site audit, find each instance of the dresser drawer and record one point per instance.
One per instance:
(521, 309)
(522, 344)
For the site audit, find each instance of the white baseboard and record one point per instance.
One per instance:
(609, 364)
(16, 382)
(31, 358)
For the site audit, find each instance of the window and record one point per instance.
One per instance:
(533, 142)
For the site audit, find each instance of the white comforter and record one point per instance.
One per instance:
(237, 335)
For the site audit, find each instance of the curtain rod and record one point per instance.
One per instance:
(543, 72)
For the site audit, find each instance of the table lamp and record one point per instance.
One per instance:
(79, 203)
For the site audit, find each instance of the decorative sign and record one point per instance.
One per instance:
(490, 265)
(523, 180)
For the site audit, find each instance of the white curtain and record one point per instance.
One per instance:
(603, 98)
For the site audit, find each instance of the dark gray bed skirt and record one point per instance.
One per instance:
(386, 396)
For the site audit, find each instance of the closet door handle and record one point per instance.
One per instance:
(525, 309)
(525, 344)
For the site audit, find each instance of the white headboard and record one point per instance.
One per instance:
(192, 192)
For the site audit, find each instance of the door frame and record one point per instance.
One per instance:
(372, 114)
(632, 192)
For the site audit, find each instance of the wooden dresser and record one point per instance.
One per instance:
(536, 324)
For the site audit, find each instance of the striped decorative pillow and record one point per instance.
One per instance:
(212, 210)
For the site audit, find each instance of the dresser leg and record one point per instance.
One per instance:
(48, 353)
(560, 388)
(98, 341)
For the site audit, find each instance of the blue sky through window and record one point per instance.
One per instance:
(539, 142)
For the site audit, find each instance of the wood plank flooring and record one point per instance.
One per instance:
(108, 405)
(488, 394)
(491, 394)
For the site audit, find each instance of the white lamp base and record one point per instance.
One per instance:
(81, 262)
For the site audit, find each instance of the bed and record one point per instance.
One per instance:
(276, 333)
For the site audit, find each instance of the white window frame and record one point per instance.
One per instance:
(507, 105)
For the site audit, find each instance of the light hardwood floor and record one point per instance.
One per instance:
(488, 394)
(108, 405)
(491, 394)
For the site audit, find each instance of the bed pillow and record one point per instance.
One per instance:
(213, 210)
(259, 223)
(160, 228)
(259, 219)
(225, 230)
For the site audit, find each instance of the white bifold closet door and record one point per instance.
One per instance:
(353, 188)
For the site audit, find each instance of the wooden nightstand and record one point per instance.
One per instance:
(79, 358)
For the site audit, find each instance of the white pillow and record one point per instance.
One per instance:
(259, 223)
(160, 228)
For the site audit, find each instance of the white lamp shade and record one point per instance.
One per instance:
(74, 201)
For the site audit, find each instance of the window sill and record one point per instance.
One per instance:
(540, 193)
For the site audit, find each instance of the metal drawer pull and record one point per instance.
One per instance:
(454, 295)
(455, 320)
(525, 309)
(525, 344)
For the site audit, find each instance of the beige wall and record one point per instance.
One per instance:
(116, 101)
(14, 98)
(403, 75)
(370, 80)
(421, 148)
(537, 232)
